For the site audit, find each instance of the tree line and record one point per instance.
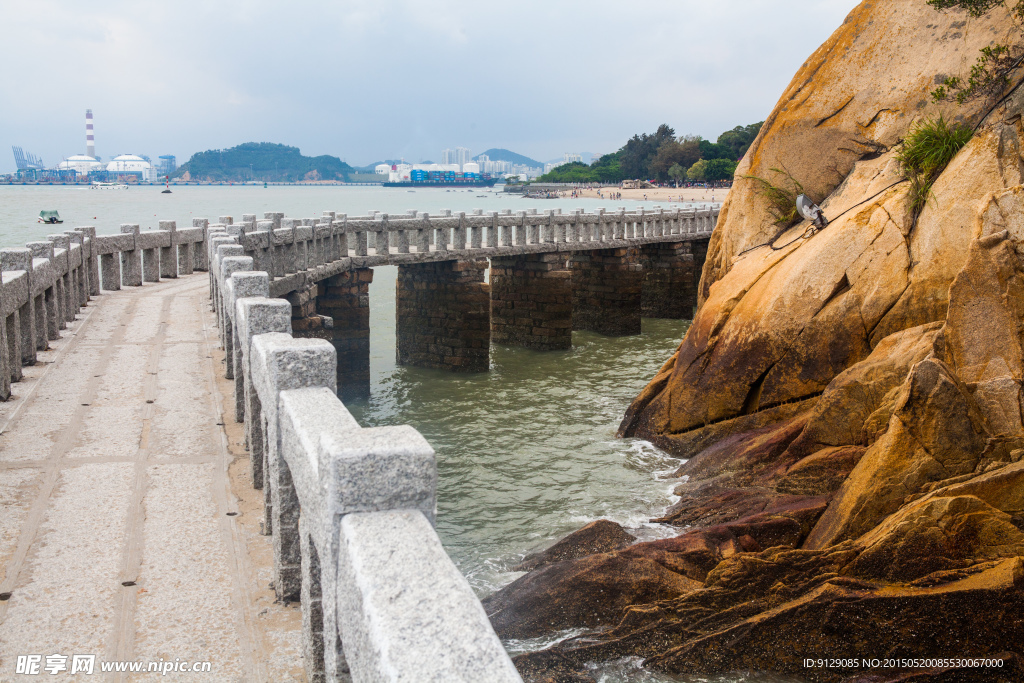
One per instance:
(662, 156)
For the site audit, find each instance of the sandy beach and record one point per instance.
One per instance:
(661, 194)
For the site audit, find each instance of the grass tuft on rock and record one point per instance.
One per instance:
(782, 197)
(927, 149)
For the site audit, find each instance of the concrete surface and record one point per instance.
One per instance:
(116, 468)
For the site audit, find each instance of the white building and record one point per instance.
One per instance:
(382, 169)
(447, 156)
(571, 157)
(81, 164)
(471, 167)
(131, 164)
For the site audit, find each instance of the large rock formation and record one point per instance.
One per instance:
(850, 400)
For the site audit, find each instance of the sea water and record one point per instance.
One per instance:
(526, 452)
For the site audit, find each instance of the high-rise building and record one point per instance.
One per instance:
(570, 157)
(447, 156)
(461, 157)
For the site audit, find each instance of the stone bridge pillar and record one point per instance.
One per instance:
(531, 301)
(606, 287)
(670, 280)
(444, 316)
(338, 309)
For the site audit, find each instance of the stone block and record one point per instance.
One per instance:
(405, 611)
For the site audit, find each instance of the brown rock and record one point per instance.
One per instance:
(777, 326)
(842, 620)
(936, 534)
(591, 591)
(840, 415)
(600, 536)
(935, 432)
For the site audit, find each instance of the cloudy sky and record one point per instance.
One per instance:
(372, 79)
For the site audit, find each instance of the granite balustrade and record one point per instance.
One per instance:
(44, 284)
(350, 509)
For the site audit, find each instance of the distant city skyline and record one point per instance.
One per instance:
(393, 79)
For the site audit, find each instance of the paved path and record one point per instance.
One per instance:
(120, 534)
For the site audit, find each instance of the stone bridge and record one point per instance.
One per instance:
(550, 274)
(121, 534)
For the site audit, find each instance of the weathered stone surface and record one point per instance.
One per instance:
(600, 536)
(443, 316)
(591, 591)
(936, 432)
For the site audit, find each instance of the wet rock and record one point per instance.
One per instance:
(600, 536)
(587, 592)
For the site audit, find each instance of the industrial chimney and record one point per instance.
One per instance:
(90, 141)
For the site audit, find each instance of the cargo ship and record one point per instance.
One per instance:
(414, 177)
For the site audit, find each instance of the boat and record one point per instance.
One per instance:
(108, 186)
(51, 217)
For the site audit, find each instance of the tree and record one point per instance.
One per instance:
(573, 172)
(696, 172)
(636, 156)
(677, 173)
(719, 169)
(685, 153)
(712, 150)
(739, 139)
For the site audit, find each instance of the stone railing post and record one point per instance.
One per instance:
(131, 261)
(339, 469)
(21, 260)
(89, 241)
(202, 257)
(279, 363)
(255, 316)
(169, 254)
(229, 265)
(44, 289)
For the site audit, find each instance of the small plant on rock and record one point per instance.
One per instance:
(782, 197)
(927, 149)
(992, 70)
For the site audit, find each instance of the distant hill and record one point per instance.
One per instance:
(262, 161)
(512, 157)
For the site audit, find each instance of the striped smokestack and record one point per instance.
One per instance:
(90, 141)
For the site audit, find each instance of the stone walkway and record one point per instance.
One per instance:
(120, 532)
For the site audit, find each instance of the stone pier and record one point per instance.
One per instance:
(444, 316)
(338, 310)
(531, 301)
(670, 280)
(606, 291)
(345, 299)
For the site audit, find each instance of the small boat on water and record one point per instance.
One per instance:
(50, 217)
(108, 186)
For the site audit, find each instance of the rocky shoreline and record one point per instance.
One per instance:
(850, 404)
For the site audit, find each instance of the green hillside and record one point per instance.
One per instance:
(262, 161)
